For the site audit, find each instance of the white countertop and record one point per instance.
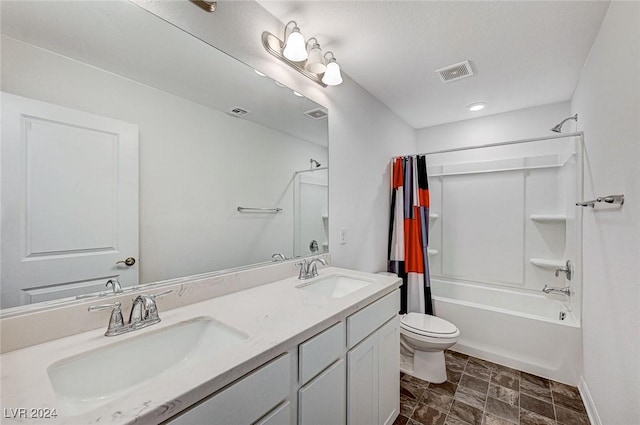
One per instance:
(277, 316)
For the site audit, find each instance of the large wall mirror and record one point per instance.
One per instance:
(132, 150)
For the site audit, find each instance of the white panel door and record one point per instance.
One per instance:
(69, 201)
(362, 382)
(389, 371)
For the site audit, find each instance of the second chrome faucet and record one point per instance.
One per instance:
(309, 269)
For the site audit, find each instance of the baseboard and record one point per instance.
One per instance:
(592, 412)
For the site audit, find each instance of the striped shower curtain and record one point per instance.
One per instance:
(409, 233)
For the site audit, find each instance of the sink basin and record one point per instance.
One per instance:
(334, 286)
(89, 380)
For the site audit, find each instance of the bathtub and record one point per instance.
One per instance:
(527, 331)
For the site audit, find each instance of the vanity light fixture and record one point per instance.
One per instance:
(332, 76)
(315, 62)
(304, 57)
(294, 47)
(475, 107)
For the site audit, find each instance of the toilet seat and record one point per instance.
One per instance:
(427, 325)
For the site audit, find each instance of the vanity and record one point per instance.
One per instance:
(290, 351)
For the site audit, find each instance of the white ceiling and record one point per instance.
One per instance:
(523, 53)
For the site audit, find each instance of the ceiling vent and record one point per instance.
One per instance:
(238, 112)
(455, 72)
(317, 114)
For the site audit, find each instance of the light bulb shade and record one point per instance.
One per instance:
(315, 63)
(294, 48)
(332, 75)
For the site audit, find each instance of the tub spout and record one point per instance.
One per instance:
(550, 289)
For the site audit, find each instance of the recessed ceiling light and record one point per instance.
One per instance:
(297, 94)
(278, 83)
(475, 107)
(259, 73)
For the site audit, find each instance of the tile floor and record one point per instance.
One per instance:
(479, 392)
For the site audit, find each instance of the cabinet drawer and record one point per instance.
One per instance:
(246, 400)
(280, 416)
(320, 351)
(323, 401)
(370, 318)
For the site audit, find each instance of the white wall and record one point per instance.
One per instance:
(189, 154)
(363, 133)
(607, 100)
(515, 125)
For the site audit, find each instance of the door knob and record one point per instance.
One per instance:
(128, 261)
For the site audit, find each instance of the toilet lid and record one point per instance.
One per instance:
(426, 323)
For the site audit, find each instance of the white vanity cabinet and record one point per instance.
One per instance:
(373, 364)
(259, 396)
(346, 374)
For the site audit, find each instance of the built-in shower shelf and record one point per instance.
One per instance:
(548, 218)
(547, 264)
(431, 252)
(433, 216)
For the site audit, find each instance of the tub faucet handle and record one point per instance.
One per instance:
(567, 269)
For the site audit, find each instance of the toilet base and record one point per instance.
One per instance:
(427, 365)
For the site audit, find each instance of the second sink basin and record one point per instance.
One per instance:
(89, 380)
(334, 286)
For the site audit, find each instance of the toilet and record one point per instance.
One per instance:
(423, 339)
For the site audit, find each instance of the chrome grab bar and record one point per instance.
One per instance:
(267, 210)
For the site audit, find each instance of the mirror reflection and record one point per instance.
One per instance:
(133, 152)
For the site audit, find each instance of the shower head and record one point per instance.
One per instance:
(558, 128)
(313, 163)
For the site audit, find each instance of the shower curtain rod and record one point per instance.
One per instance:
(491, 145)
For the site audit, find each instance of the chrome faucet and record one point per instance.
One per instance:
(144, 312)
(115, 285)
(550, 289)
(309, 269)
(278, 257)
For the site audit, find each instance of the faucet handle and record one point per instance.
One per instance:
(99, 307)
(304, 268)
(116, 321)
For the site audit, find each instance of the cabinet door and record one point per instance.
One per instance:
(323, 400)
(362, 382)
(388, 372)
